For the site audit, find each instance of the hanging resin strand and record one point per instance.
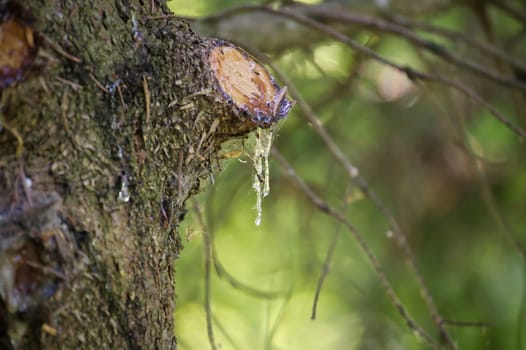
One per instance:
(261, 166)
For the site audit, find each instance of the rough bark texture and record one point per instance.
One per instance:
(119, 122)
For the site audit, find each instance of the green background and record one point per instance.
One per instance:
(426, 150)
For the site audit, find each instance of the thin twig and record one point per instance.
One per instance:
(161, 17)
(221, 271)
(278, 319)
(225, 333)
(208, 292)
(325, 208)
(180, 162)
(311, 13)
(353, 173)
(341, 88)
(521, 323)
(411, 73)
(146, 98)
(99, 85)
(324, 272)
(487, 195)
(511, 9)
(73, 85)
(61, 51)
(488, 198)
(428, 45)
(467, 324)
(483, 47)
(207, 256)
(489, 201)
(45, 269)
(327, 261)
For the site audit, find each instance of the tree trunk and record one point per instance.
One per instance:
(110, 130)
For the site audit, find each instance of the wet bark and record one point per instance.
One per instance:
(111, 130)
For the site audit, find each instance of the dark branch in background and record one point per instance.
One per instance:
(400, 26)
(223, 273)
(210, 256)
(521, 324)
(339, 89)
(459, 37)
(478, 163)
(428, 45)
(207, 252)
(497, 216)
(275, 326)
(225, 333)
(467, 324)
(511, 9)
(328, 259)
(411, 73)
(325, 208)
(353, 174)
(488, 198)
(397, 25)
(394, 28)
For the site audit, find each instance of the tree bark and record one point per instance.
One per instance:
(119, 118)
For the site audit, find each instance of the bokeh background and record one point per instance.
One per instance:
(453, 175)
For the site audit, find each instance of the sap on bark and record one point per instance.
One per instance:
(18, 44)
(260, 104)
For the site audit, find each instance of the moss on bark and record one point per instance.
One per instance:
(119, 124)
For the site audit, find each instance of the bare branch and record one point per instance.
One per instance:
(428, 45)
(398, 25)
(483, 47)
(225, 333)
(234, 282)
(327, 209)
(489, 201)
(411, 73)
(521, 322)
(207, 251)
(467, 324)
(511, 9)
(353, 173)
(327, 261)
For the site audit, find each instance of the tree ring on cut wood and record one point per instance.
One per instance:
(248, 85)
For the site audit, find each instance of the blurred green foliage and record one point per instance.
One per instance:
(423, 149)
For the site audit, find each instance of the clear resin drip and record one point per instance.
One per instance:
(262, 172)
